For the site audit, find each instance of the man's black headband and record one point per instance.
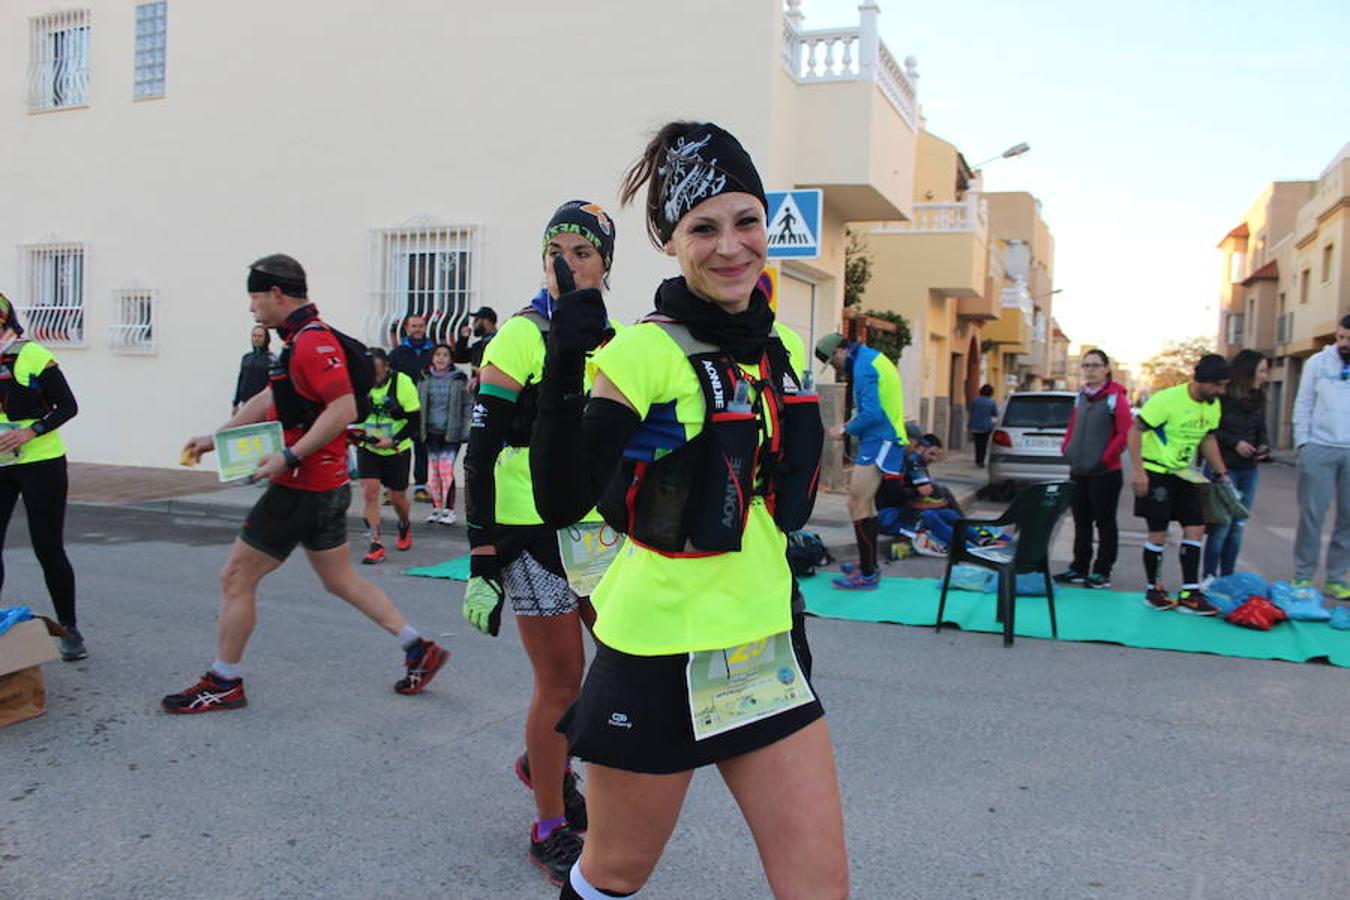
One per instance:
(262, 282)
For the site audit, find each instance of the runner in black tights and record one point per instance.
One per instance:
(35, 401)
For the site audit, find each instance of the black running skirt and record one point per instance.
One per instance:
(633, 714)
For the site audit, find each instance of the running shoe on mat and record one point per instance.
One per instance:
(1157, 598)
(1195, 603)
(857, 581)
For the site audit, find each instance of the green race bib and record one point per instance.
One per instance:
(238, 450)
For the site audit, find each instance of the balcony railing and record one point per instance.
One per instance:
(850, 54)
(1016, 296)
(970, 215)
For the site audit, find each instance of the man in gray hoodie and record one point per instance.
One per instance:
(1322, 435)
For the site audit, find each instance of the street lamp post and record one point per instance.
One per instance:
(1014, 150)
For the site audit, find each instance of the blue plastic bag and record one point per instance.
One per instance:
(12, 616)
(1303, 604)
(1231, 591)
(966, 577)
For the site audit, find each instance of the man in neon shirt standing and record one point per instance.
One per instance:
(1167, 432)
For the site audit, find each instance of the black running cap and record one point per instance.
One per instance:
(484, 312)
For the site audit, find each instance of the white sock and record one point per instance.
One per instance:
(587, 891)
(408, 635)
(227, 671)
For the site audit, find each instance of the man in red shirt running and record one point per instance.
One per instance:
(306, 502)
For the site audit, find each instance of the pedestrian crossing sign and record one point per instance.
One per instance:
(794, 224)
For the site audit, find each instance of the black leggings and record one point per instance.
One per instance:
(1094, 503)
(43, 486)
(981, 439)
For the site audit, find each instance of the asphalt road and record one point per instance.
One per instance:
(1052, 770)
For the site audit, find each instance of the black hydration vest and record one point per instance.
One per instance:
(695, 500)
(293, 410)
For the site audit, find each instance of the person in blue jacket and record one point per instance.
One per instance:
(878, 423)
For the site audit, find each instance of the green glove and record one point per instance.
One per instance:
(483, 600)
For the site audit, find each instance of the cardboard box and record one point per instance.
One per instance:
(23, 649)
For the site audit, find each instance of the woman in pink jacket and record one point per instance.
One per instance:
(1098, 427)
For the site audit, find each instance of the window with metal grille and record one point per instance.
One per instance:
(58, 60)
(423, 269)
(152, 21)
(133, 321)
(53, 301)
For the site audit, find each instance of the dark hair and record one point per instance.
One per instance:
(1106, 360)
(644, 172)
(1345, 321)
(1242, 377)
(931, 440)
(987, 391)
(380, 354)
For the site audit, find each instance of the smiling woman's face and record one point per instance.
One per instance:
(722, 246)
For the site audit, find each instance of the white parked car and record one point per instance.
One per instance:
(1024, 447)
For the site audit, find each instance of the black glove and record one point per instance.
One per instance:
(485, 565)
(579, 319)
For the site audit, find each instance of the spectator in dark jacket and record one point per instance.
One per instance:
(482, 327)
(983, 414)
(1099, 426)
(254, 367)
(1243, 442)
(412, 356)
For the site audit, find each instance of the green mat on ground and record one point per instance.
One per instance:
(456, 569)
(1084, 615)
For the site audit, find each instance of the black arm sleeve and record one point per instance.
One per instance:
(574, 450)
(487, 433)
(460, 352)
(60, 400)
(411, 427)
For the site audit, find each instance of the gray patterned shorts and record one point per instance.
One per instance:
(533, 590)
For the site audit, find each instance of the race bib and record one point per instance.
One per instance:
(238, 450)
(587, 549)
(10, 458)
(743, 684)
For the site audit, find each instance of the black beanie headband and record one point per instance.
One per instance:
(699, 166)
(588, 220)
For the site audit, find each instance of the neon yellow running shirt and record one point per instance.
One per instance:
(650, 605)
(1177, 424)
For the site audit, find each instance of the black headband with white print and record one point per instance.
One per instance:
(706, 162)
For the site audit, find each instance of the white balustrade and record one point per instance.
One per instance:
(969, 215)
(850, 54)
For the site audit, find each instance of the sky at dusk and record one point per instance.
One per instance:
(1153, 125)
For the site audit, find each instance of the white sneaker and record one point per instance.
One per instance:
(434, 517)
(448, 517)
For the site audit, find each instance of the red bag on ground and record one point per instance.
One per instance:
(1258, 613)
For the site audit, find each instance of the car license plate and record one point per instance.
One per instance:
(1041, 443)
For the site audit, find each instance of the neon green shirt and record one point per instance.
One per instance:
(648, 604)
(32, 359)
(1177, 424)
(405, 392)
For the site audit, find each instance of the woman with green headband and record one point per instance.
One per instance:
(516, 558)
(35, 401)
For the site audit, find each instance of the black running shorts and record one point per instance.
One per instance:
(390, 470)
(1170, 499)
(286, 516)
(633, 714)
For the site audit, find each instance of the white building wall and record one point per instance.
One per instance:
(299, 126)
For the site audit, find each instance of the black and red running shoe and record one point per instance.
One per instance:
(404, 541)
(374, 554)
(423, 659)
(211, 694)
(557, 853)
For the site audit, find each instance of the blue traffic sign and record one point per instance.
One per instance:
(794, 224)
